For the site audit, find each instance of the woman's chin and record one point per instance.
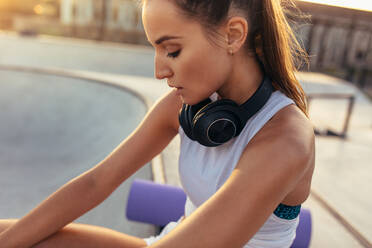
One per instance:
(188, 101)
(183, 100)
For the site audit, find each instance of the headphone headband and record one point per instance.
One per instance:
(258, 99)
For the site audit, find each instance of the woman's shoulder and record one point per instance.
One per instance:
(291, 122)
(291, 130)
(284, 146)
(169, 106)
(294, 133)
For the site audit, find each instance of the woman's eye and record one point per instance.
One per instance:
(174, 55)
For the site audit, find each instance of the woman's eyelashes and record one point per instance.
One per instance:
(174, 54)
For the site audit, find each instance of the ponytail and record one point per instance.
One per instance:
(280, 52)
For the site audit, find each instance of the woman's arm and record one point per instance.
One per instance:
(269, 168)
(89, 189)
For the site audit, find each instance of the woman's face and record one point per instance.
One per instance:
(189, 61)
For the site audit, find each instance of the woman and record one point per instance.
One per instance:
(246, 177)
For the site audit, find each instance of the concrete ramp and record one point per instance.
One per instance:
(54, 128)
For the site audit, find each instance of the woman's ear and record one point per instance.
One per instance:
(236, 33)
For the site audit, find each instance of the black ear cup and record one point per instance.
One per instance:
(215, 123)
(216, 128)
(212, 124)
(187, 114)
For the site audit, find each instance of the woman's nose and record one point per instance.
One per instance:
(162, 70)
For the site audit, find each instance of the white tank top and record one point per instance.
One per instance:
(203, 170)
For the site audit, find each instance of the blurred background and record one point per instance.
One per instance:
(340, 36)
(77, 77)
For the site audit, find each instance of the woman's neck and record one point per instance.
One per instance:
(245, 78)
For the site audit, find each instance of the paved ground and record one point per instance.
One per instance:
(78, 55)
(343, 175)
(343, 169)
(54, 128)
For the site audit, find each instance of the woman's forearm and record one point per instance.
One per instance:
(62, 207)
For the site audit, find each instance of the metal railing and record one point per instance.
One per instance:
(351, 100)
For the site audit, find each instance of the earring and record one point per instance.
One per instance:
(231, 52)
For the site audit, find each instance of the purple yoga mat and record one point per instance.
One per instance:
(303, 232)
(155, 203)
(160, 204)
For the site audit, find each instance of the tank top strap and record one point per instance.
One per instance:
(276, 102)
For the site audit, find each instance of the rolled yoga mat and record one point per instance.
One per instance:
(160, 204)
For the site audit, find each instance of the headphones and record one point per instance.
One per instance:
(215, 123)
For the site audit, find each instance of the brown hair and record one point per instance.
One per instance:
(270, 35)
